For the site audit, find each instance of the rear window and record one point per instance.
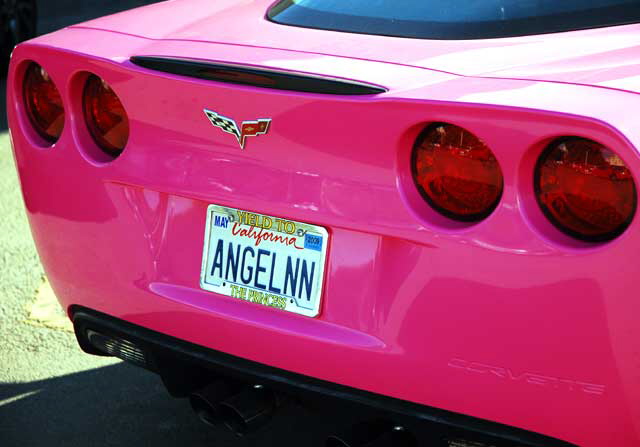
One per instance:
(455, 19)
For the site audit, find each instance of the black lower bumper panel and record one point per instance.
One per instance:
(185, 366)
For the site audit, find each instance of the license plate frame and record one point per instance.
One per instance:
(283, 255)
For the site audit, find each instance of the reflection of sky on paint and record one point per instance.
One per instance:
(531, 56)
(456, 10)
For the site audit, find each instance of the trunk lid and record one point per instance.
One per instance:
(606, 57)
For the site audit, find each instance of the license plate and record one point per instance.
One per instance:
(264, 259)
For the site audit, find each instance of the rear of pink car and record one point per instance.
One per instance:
(498, 330)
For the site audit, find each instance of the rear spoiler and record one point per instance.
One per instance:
(256, 76)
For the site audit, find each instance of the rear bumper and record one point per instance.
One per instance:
(167, 355)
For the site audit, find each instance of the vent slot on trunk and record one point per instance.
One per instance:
(256, 76)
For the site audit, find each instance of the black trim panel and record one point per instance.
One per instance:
(162, 345)
(256, 76)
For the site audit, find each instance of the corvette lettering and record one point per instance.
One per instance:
(247, 128)
(527, 377)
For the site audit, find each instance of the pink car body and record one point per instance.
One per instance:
(506, 320)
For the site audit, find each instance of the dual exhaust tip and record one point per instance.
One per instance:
(244, 409)
(240, 408)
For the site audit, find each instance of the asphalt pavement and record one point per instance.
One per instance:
(51, 393)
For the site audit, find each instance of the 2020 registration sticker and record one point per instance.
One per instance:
(264, 259)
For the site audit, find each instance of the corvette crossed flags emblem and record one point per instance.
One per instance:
(247, 128)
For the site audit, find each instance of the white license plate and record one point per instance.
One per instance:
(264, 259)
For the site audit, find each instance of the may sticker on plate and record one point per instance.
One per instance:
(264, 259)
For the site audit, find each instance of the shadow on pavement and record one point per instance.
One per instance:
(121, 405)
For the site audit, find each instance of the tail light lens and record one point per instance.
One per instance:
(585, 189)
(106, 118)
(456, 173)
(43, 103)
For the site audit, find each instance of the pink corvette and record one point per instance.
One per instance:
(424, 209)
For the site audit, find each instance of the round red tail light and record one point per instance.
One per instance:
(43, 103)
(585, 189)
(106, 118)
(456, 173)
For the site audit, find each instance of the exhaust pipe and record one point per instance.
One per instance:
(249, 410)
(206, 401)
(241, 409)
(376, 433)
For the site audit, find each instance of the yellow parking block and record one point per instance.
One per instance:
(46, 311)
